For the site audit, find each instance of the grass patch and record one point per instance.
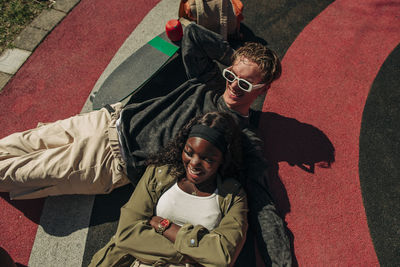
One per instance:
(15, 15)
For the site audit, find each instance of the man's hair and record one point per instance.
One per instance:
(266, 59)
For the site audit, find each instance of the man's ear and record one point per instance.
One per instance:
(264, 89)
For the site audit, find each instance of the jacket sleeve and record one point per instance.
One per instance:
(200, 49)
(217, 247)
(135, 235)
(271, 234)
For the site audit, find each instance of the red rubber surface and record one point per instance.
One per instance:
(328, 72)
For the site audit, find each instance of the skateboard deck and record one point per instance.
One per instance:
(137, 70)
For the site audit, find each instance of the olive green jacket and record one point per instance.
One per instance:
(135, 238)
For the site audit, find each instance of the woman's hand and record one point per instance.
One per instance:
(154, 221)
(170, 233)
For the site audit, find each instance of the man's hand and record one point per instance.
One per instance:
(186, 8)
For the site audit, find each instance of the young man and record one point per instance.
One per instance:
(96, 152)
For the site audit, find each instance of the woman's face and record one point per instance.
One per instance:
(201, 160)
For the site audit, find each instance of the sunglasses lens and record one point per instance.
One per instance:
(229, 76)
(244, 85)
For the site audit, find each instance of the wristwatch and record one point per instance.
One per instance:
(163, 225)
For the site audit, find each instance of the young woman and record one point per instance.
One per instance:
(188, 208)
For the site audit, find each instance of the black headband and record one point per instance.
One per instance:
(212, 135)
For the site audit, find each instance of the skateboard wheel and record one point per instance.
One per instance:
(174, 30)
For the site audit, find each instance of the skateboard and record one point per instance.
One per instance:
(137, 70)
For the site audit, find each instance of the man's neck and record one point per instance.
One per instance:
(244, 112)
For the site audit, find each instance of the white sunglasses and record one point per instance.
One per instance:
(242, 83)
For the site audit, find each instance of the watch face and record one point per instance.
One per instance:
(164, 223)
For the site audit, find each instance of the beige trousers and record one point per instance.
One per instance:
(137, 263)
(78, 155)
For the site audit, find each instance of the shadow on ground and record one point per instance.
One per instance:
(300, 145)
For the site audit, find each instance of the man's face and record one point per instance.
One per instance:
(236, 98)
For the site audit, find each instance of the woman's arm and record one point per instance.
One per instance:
(217, 247)
(170, 233)
(134, 234)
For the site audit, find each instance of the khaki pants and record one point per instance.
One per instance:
(79, 155)
(137, 263)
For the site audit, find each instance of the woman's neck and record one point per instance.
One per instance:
(204, 189)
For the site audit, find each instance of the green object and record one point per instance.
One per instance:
(163, 46)
(139, 69)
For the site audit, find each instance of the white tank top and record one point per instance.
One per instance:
(181, 207)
